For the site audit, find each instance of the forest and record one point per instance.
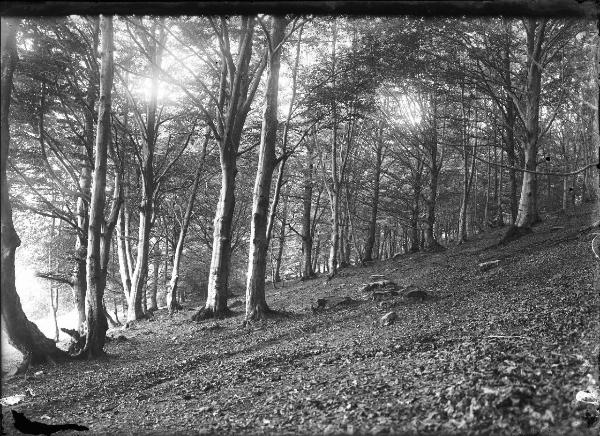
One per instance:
(208, 175)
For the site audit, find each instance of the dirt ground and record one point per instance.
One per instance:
(502, 351)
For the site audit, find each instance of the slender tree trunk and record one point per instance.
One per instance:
(52, 289)
(122, 252)
(368, 256)
(279, 256)
(467, 175)
(334, 191)
(154, 288)
(137, 301)
(256, 304)
(307, 239)
(430, 242)
(316, 255)
(172, 302)
(97, 248)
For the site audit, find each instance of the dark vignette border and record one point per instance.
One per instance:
(455, 8)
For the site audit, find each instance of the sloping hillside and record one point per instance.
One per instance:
(501, 351)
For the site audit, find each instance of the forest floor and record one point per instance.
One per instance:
(498, 352)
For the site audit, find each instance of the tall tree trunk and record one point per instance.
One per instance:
(238, 106)
(172, 303)
(430, 243)
(154, 288)
(528, 211)
(334, 190)
(122, 251)
(98, 246)
(256, 304)
(52, 289)
(593, 174)
(368, 256)
(22, 333)
(279, 256)
(316, 254)
(137, 301)
(510, 121)
(307, 239)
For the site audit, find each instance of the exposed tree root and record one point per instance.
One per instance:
(207, 313)
(434, 247)
(310, 277)
(174, 307)
(513, 233)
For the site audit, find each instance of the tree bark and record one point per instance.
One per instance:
(510, 121)
(79, 284)
(279, 256)
(528, 211)
(154, 288)
(172, 303)
(98, 246)
(136, 303)
(368, 256)
(430, 242)
(238, 106)
(307, 238)
(22, 333)
(256, 304)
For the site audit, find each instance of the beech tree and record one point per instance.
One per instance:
(100, 230)
(22, 333)
(256, 304)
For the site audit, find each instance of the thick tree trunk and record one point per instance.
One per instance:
(22, 333)
(138, 280)
(216, 301)
(593, 174)
(97, 248)
(510, 121)
(528, 211)
(238, 106)
(256, 304)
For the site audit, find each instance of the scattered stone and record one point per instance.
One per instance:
(382, 295)
(12, 400)
(386, 285)
(486, 266)
(377, 277)
(330, 302)
(416, 294)
(388, 319)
